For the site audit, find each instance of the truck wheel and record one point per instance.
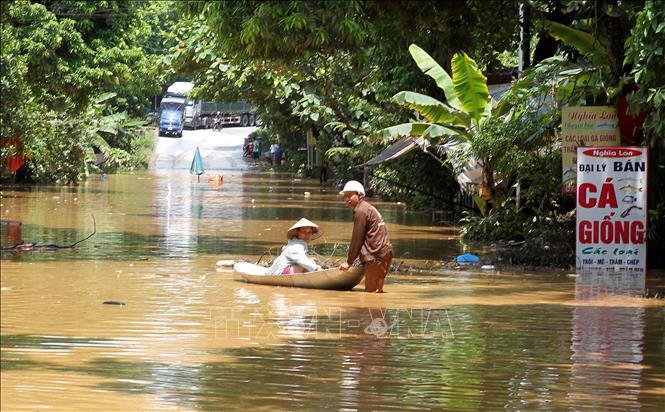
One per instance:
(252, 120)
(245, 120)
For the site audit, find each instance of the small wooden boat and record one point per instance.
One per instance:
(332, 279)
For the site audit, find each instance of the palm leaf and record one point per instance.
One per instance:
(470, 85)
(430, 67)
(431, 109)
(340, 151)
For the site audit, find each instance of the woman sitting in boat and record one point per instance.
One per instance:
(293, 258)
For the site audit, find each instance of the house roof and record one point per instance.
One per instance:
(396, 150)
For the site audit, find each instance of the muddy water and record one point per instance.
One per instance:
(190, 337)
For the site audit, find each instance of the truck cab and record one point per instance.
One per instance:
(193, 117)
(172, 116)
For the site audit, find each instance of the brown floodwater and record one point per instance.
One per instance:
(192, 337)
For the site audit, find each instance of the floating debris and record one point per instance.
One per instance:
(114, 302)
(226, 262)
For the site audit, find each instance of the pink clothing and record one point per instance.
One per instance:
(287, 271)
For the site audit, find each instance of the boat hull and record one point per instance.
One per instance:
(330, 279)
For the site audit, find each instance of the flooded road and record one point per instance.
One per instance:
(220, 150)
(190, 337)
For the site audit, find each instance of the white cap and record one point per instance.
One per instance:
(353, 186)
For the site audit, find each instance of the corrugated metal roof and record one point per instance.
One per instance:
(396, 150)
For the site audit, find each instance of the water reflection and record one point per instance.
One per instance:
(607, 340)
(11, 233)
(166, 213)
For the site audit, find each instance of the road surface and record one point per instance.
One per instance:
(221, 150)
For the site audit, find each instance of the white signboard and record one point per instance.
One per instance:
(585, 126)
(611, 209)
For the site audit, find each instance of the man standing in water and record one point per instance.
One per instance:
(369, 239)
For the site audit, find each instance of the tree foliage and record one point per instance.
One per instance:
(467, 109)
(328, 66)
(645, 52)
(334, 68)
(620, 49)
(57, 58)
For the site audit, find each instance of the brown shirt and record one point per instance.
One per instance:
(370, 236)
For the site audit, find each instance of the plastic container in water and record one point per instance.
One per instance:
(467, 258)
(487, 267)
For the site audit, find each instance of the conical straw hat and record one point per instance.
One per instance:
(316, 232)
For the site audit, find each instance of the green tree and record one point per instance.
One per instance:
(57, 58)
(328, 65)
(644, 55)
(466, 110)
(621, 49)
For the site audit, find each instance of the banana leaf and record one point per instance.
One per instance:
(104, 97)
(471, 85)
(589, 45)
(430, 67)
(431, 109)
(401, 130)
(438, 133)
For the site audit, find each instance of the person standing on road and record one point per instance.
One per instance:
(257, 148)
(273, 149)
(279, 154)
(369, 239)
(217, 121)
(323, 173)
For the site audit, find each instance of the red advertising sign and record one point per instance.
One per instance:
(611, 209)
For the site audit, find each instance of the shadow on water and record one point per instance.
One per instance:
(36, 189)
(11, 361)
(125, 246)
(128, 246)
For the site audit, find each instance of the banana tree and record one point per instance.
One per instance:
(105, 133)
(454, 122)
(603, 72)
